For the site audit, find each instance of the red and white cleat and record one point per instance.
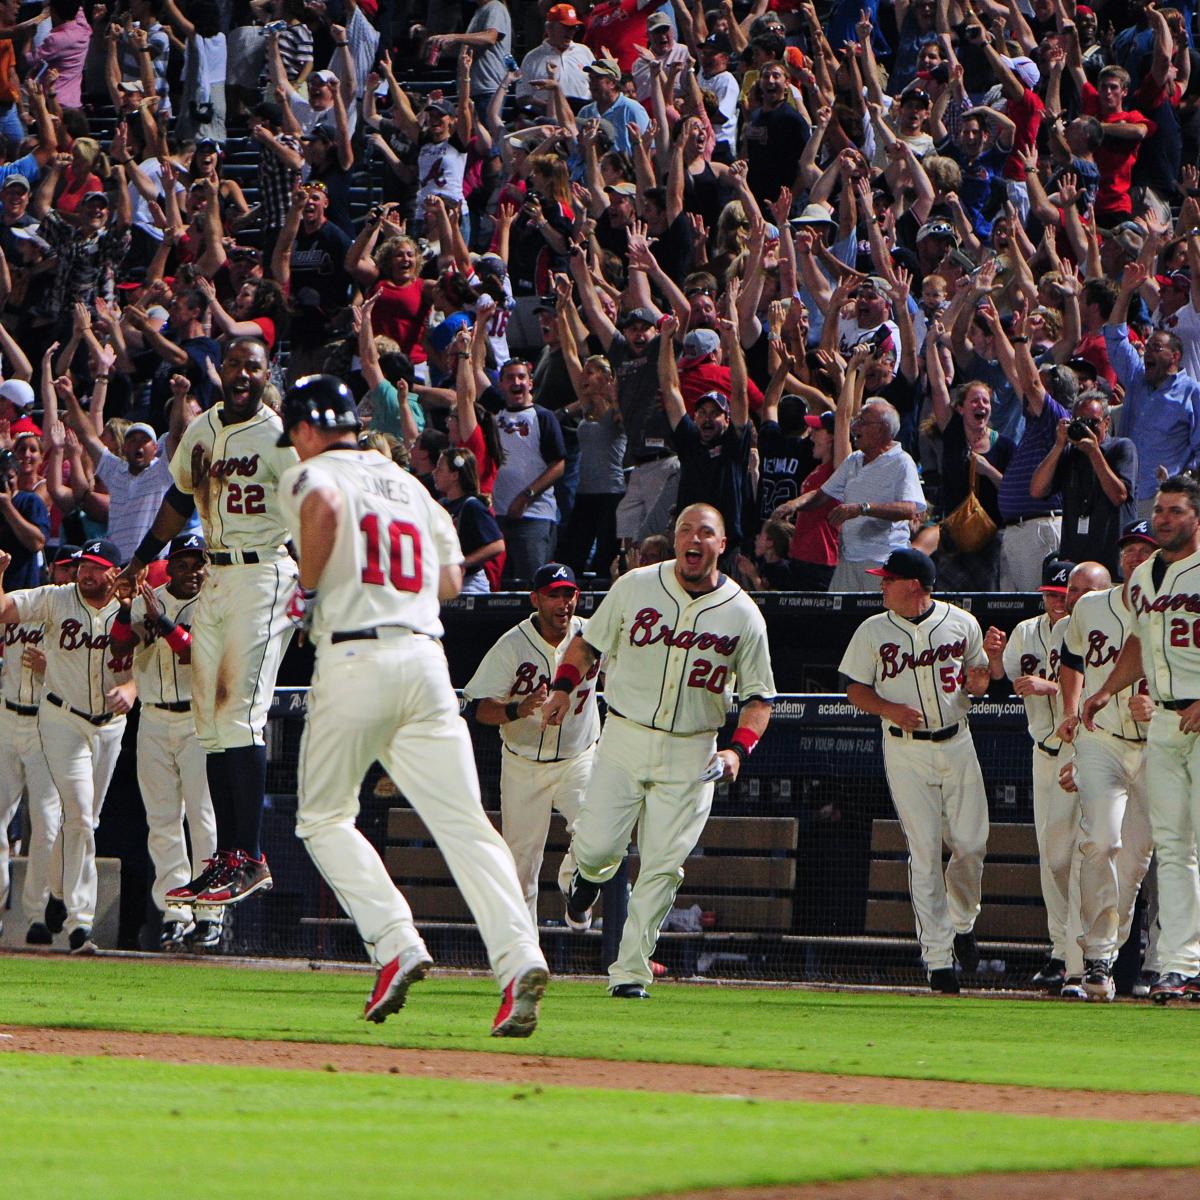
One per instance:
(518, 1014)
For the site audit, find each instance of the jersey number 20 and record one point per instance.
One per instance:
(404, 554)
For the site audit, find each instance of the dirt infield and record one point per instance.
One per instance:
(533, 1070)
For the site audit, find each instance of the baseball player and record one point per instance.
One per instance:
(1114, 825)
(170, 759)
(81, 719)
(23, 767)
(377, 554)
(679, 638)
(1029, 658)
(540, 768)
(916, 667)
(227, 467)
(1163, 646)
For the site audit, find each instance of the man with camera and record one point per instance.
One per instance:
(1095, 474)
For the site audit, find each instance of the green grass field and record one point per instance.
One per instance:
(152, 1129)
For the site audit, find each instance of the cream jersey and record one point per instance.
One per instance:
(392, 540)
(18, 683)
(80, 663)
(161, 675)
(233, 473)
(519, 663)
(674, 660)
(1094, 635)
(919, 663)
(1166, 621)
(1031, 650)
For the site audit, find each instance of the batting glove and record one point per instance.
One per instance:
(301, 607)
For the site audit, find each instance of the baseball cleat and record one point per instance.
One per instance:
(1098, 980)
(944, 980)
(56, 914)
(38, 935)
(171, 936)
(580, 900)
(81, 942)
(1171, 986)
(966, 951)
(1192, 988)
(393, 981)
(629, 991)
(205, 938)
(518, 1013)
(1052, 975)
(1072, 989)
(188, 893)
(241, 878)
(1144, 982)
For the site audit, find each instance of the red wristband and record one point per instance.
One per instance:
(122, 631)
(178, 639)
(745, 737)
(567, 679)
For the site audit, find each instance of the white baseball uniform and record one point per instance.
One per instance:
(170, 759)
(240, 627)
(540, 769)
(23, 770)
(1114, 823)
(1033, 649)
(674, 662)
(1165, 601)
(383, 694)
(80, 738)
(932, 773)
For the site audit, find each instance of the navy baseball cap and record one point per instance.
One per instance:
(101, 551)
(908, 564)
(554, 575)
(638, 314)
(67, 553)
(823, 420)
(187, 543)
(1139, 531)
(717, 398)
(1055, 573)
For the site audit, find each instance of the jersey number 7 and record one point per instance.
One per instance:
(404, 554)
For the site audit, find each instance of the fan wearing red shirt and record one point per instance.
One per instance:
(621, 26)
(1124, 131)
(1023, 107)
(700, 371)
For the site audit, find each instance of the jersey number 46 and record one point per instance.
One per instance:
(403, 554)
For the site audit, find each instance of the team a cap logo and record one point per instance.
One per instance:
(188, 543)
(101, 551)
(554, 575)
(1055, 573)
(1139, 531)
(908, 564)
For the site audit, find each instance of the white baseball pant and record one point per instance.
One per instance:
(528, 792)
(1056, 824)
(81, 758)
(390, 701)
(1173, 798)
(1115, 838)
(239, 635)
(652, 780)
(23, 770)
(174, 783)
(937, 790)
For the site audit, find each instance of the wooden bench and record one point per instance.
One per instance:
(743, 872)
(1011, 908)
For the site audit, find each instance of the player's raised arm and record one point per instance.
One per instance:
(576, 663)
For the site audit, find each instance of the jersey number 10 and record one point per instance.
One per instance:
(404, 554)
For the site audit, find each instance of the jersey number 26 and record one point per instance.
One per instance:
(403, 554)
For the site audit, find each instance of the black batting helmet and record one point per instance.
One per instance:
(324, 401)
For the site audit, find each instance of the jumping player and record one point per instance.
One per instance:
(228, 466)
(681, 638)
(916, 666)
(377, 555)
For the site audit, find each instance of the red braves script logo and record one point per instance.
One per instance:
(894, 663)
(646, 631)
(15, 635)
(1100, 651)
(1178, 603)
(72, 637)
(528, 679)
(1031, 665)
(223, 468)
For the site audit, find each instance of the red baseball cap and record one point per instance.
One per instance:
(564, 14)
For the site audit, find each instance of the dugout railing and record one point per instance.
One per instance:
(827, 901)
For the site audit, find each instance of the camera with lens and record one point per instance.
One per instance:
(1081, 427)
